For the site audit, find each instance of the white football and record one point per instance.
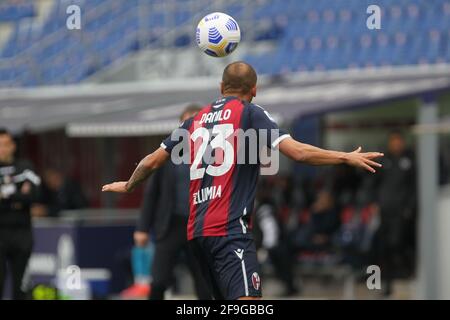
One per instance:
(218, 34)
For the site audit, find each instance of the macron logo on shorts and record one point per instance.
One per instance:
(239, 253)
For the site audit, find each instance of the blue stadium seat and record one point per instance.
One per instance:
(306, 35)
(16, 10)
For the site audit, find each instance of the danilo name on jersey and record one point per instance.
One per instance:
(216, 116)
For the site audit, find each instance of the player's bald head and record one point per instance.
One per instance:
(238, 77)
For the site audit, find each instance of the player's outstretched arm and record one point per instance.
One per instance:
(306, 153)
(144, 169)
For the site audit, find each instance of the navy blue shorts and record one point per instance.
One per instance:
(230, 266)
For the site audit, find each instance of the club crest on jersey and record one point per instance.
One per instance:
(256, 281)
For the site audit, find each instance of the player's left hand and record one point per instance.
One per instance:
(120, 187)
(364, 159)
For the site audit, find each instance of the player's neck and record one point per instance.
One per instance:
(244, 97)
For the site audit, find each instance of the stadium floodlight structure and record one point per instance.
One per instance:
(434, 206)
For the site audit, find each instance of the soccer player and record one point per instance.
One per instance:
(19, 190)
(222, 191)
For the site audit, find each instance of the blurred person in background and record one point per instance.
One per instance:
(141, 268)
(165, 214)
(61, 193)
(396, 204)
(318, 223)
(19, 189)
(270, 235)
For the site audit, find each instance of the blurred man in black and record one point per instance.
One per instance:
(61, 193)
(270, 235)
(18, 191)
(396, 185)
(165, 213)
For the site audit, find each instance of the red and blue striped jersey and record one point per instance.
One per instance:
(222, 142)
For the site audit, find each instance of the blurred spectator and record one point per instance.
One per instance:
(61, 193)
(270, 235)
(165, 212)
(19, 189)
(318, 222)
(395, 197)
(344, 182)
(141, 267)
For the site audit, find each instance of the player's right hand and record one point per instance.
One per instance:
(120, 187)
(140, 238)
(364, 159)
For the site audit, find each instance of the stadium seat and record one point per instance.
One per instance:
(307, 35)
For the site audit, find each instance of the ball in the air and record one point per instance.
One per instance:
(218, 34)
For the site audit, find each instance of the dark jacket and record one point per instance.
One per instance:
(14, 204)
(158, 202)
(69, 197)
(397, 185)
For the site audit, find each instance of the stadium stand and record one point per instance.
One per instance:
(16, 10)
(308, 35)
(400, 69)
